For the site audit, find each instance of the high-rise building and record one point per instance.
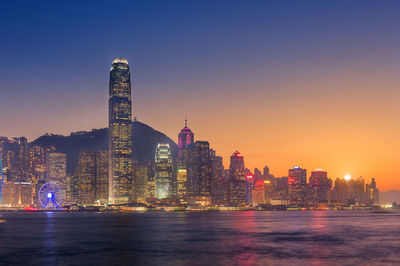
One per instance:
(217, 179)
(249, 189)
(141, 182)
(266, 173)
(372, 193)
(56, 166)
(181, 191)
(120, 133)
(163, 171)
(1, 177)
(199, 170)
(237, 181)
(93, 177)
(320, 185)
(185, 139)
(86, 177)
(257, 175)
(297, 185)
(262, 192)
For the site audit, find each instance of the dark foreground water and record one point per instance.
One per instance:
(207, 238)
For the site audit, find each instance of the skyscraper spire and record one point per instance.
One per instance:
(185, 120)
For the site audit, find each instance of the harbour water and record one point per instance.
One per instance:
(201, 238)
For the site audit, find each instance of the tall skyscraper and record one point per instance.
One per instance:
(237, 181)
(320, 185)
(163, 171)
(297, 184)
(1, 177)
(141, 182)
(120, 133)
(217, 181)
(92, 177)
(56, 165)
(199, 170)
(185, 139)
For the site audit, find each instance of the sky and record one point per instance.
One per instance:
(310, 83)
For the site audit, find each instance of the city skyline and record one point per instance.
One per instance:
(309, 107)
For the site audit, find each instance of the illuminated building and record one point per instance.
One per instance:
(297, 181)
(93, 177)
(199, 170)
(17, 193)
(72, 189)
(349, 191)
(141, 183)
(181, 185)
(163, 171)
(22, 159)
(217, 179)
(249, 189)
(37, 169)
(320, 185)
(257, 175)
(56, 166)
(120, 133)
(262, 192)
(1, 178)
(86, 177)
(237, 181)
(185, 139)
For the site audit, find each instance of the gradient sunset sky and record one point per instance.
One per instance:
(310, 83)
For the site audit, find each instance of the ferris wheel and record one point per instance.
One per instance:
(50, 195)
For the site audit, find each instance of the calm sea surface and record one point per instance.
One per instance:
(207, 238)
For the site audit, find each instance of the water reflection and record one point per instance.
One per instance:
(214, 238)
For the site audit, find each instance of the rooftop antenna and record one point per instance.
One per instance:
(185, 120)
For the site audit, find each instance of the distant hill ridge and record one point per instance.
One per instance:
(145, 140)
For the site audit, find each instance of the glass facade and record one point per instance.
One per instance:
(163, 171)
(120, 133)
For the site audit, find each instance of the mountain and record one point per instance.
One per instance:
(389, 196)
(145, 140)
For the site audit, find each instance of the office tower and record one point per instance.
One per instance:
(372, 193)
(262, 192)
(92, 177)
(199, 171)
(101, 182)
(181, 185)
(217, 179)
(1, 177)
(356, 190)
(17, 193)
(297, 182)
(185, 139)
(249, 189)
(120, 133)
(9, 152)
(266, 173)
(340, 191)
(320, 185)
(56, 166)
(257, 175)
(86, 177)
(22, 159)
(141, 183)
(37, 169)
(237, 181)
(72, 188)
(163, 171)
